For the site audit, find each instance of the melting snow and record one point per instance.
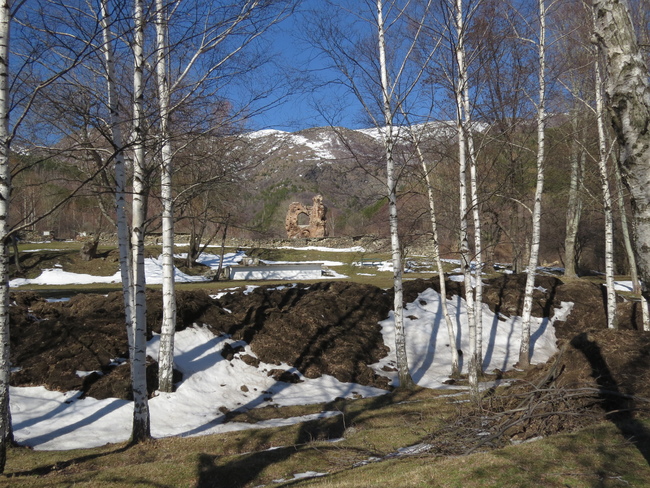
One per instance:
(53, 420)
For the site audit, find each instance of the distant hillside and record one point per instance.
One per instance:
(251, 179)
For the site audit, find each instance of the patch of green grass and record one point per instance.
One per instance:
(66, 255)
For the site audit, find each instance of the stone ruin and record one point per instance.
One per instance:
(317, 220)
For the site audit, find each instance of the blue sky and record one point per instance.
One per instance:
(317, 100)
(304, 108)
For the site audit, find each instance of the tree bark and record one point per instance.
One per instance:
(405, 380)
(476, 216)
(141, 422)
(223, 248)
(574, 205)
(168, 327)
(629, 249)
(524, 351)
(628, 93)
(126, 272)
(612, 318)
(5, 191)
(465, 256)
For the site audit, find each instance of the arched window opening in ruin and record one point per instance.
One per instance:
(306, 221)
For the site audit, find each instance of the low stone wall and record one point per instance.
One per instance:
(370, 243)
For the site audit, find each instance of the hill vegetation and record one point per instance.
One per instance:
(253, 178)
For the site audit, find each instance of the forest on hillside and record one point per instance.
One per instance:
(257, 201)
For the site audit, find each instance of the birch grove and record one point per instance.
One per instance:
(392, 72)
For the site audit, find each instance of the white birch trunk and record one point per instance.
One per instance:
(476, 215)
(465, 257)
(629, 250)
(574, 205)
(451, 332)
(612, 318)
(168, 328)
(524, 351)
(120, 173)
(405, 380)
(5, 191)
(628, 91)
(645, 313)
(141, 422)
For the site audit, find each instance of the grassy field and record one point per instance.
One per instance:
(36, 257)
(356, 448)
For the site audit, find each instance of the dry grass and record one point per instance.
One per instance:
(375, 428)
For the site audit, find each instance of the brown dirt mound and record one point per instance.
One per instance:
(327, 328)
(51, 342)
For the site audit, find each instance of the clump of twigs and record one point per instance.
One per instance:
(527, 410)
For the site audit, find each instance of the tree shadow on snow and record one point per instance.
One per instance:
(427, 361)
(310, 354)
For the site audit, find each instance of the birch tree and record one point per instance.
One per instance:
(61, 60)
(629, 248)
(168, 327)
(574, 205)
(5, 192)
(375, 58)
(628, 94)
(115, 121)
(405, 380)
(465, 142)
(131, 252)
(451, 332)
(213, 47)
(524, 351)
(603, 156)
(141, 420)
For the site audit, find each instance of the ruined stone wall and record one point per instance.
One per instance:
(317, 226)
